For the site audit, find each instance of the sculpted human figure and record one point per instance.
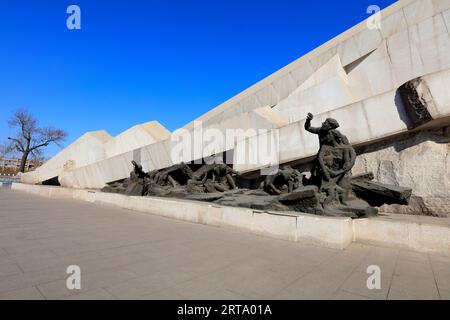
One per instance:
(331, 171)
(138, 172)
(217, 177)
(328, 159)
(324, 132)
(326, 137)
(137, 181)
(287, 179)
(340, 144)
(334, 162)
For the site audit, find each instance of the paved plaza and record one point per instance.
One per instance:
(129, 255)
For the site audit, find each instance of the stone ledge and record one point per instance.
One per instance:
(329, 232)
(417, 236)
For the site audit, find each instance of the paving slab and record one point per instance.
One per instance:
(129, 255)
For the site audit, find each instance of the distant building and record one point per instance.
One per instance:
(12, 165)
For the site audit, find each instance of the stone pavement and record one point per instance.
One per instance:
(129, 255)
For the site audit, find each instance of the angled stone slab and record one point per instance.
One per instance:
(377, 193)
(88, 149)
(136, 137)
(304, 199)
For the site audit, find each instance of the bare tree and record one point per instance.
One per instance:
(30, 138)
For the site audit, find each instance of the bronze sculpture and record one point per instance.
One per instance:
(331, 189)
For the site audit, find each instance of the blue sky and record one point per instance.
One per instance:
(167, 60)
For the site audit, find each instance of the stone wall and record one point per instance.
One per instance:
(420, 161)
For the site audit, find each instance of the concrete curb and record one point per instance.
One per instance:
(337, 233)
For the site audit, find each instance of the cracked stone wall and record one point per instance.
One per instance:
(420, 161)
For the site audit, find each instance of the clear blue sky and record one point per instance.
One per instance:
(135, 61)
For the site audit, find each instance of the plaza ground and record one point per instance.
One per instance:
(129, 255)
